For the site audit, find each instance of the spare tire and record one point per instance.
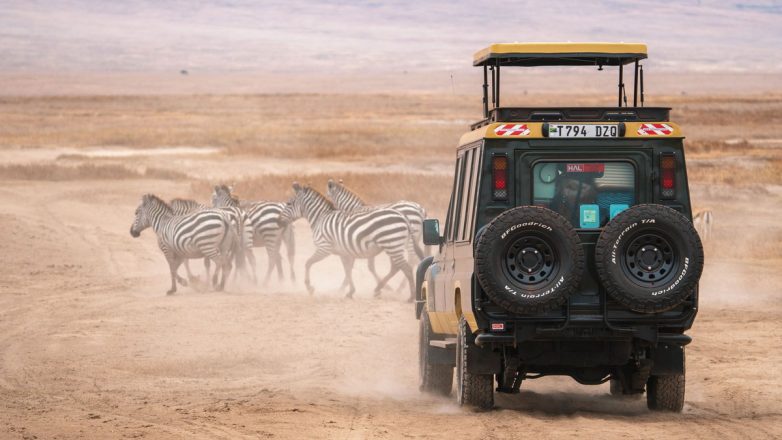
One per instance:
(649, 258)
(529, 259)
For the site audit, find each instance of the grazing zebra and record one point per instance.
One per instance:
(351, 235)
(703, 223)
(264, 218)
(346, 200)
(204, 234)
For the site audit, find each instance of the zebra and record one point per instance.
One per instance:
(346, 200)
(243, 247)
(351, 235)
(208, 234)
(703, 222)
(264, 218)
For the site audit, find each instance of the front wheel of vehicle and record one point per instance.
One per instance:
(472, 389)
(434, 378)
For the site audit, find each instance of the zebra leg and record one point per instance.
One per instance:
(225, 264)
(190, 276)
(173, 266)
(270, 267)
(253, 268)
(319, 255)
(207, 267)
(381, 283)
(371, 266)
(347, 264)
(419, 250)
(408, 271)
(278, 256)
(290, 245)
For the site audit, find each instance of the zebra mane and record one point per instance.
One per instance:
(151, 199)
(183, 201)
(341, 187)
(227, 189)
(320, 195)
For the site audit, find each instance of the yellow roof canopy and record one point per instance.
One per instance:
(560, 54)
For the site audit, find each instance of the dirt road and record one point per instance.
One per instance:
(91, 347)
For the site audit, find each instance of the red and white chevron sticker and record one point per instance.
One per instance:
(512, 130)
(655, 130)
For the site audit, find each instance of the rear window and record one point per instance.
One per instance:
(588, 194)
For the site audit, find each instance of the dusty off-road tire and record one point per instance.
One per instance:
(649, 258)
(476, 390)
(529, 259)
(433, 378)
(665, 393)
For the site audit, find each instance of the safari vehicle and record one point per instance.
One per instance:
(568, 247)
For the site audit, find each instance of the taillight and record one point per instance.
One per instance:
(499, 177)
(668, 176)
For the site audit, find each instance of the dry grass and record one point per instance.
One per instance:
(432, 192)
(86, 171)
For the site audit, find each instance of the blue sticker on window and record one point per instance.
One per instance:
(615, 209)
(589, 217)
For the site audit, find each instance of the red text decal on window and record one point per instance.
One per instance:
(585, 168)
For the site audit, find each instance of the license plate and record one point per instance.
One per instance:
(583, 130)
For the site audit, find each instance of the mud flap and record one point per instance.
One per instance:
(442, 356)
(668, 360)
(483, 360)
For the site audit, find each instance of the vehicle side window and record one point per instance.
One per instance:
(450, 225)
(470, 189)
(457, 199)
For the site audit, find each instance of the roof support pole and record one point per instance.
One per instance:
(493, 88)
(498, 83)
(485, 92)
(635, 85)
(621, 70)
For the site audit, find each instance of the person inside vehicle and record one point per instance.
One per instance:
(572, 191)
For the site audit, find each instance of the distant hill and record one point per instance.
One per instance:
(299, 36)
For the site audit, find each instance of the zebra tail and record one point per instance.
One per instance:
(290, 241)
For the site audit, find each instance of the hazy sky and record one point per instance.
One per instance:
(331, 37)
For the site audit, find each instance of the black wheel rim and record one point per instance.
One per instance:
(531, 261)
(649, 259)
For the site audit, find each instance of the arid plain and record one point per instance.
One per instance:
(91, 347)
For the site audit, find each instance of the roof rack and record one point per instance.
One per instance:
(499, 55)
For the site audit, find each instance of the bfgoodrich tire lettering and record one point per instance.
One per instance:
(529, 259)
(649, 258)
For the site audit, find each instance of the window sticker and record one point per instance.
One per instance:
(590, 216)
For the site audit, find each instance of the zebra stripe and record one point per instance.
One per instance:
(265, 228)
(203, 234)
(350, 234)
(346, 200)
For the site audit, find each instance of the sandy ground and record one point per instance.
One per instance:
(91, 347)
